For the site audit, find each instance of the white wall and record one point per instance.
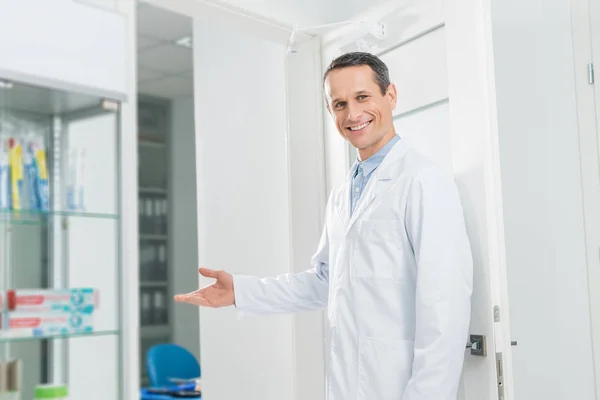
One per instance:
(183, 230)
(545, 243)
(243, 206)
(61, 57)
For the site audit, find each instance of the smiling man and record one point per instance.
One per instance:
(393, 267)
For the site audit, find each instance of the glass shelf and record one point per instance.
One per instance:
(5, 338)
(34, 217)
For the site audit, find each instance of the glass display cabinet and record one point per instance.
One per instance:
(60, 273)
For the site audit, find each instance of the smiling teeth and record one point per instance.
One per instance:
(359, 127)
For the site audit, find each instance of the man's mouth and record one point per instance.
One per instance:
(359, 127)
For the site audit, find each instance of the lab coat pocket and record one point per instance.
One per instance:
(378, 252)
(384, 368)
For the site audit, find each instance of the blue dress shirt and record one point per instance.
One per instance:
(363, 170)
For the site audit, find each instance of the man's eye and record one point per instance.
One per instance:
(362, 97)
(340, 104)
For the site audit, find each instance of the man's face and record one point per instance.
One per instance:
(361, 113)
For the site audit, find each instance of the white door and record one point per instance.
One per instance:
(439, 61)
(585, 20)
(595, 27)
(593, 192)
(541, 144)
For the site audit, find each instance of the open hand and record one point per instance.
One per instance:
(215, 295)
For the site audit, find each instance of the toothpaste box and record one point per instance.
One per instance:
(52, 323)
(83, 300)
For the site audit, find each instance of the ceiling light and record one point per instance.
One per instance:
(185, 41)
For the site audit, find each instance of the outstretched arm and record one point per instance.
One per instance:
(286, 293)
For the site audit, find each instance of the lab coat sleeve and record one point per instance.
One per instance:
(436, 229)
(286, 293)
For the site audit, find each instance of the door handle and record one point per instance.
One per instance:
(477, 345)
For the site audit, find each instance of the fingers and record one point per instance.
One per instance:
(209, 273)
(192, 298)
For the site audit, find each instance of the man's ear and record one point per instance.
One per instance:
(393, 95)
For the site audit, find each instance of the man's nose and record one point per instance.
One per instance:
(354, 112)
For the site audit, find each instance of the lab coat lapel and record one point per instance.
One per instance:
(375, 187)
(379, 184)
(342, 201)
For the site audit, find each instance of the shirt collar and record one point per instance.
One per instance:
(370, 164)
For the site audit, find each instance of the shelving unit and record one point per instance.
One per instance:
(155, 282)
(62, 232)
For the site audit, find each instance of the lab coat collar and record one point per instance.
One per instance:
(379, 184)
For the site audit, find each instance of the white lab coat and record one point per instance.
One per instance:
(396, 278)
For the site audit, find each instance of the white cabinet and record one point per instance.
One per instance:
(65, 43)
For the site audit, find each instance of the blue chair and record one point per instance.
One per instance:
(166, 362)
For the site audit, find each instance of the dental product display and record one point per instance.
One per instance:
(4, 173)
(24, 175)
(15, 160)
(48, 324)
(36, 172)
(47, 312)
(82, 300)
(75, 190)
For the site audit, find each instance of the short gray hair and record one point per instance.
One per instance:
(356, 59)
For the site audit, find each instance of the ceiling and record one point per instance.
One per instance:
(165, 68)
(306, 13)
